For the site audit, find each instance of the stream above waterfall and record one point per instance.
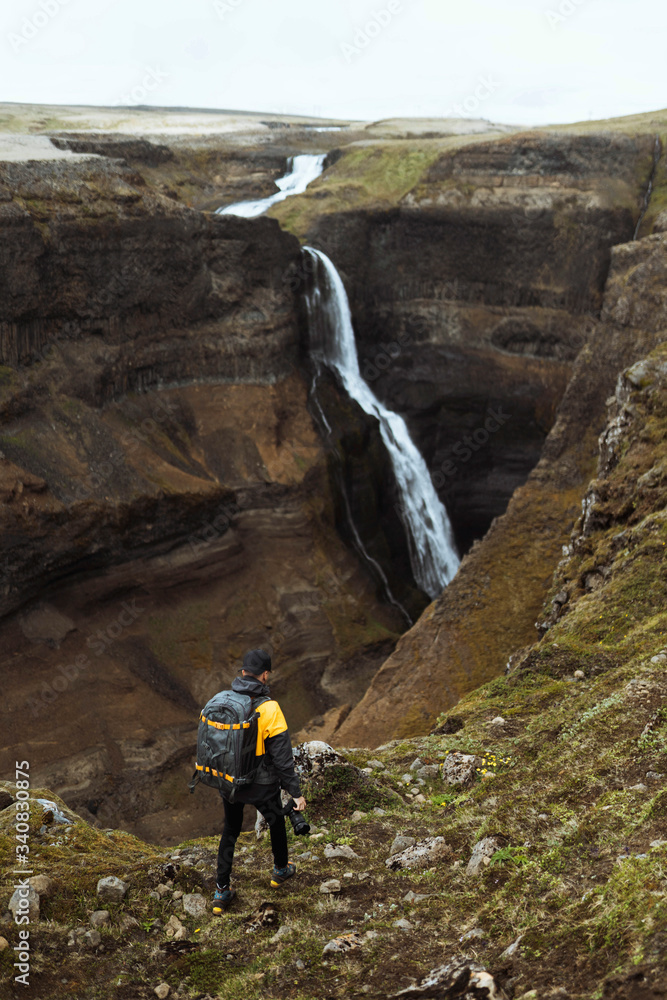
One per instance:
(301, 171)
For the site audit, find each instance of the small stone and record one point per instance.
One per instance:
(357, 815)
(655, 776)
(162, 991)
(579, 675)
(92, 938)
(512, 949)
(416, 764)
(4, 944)
(461, 769)
(346, 942)
(348, 874)
(659, 658)
(194, 904)
(177, 894)
(428, 771)
(331, 886)
(162, 890)
(415, 897)
(543, 817)
(22, 902)
(482, 853)
(300, 965)
(344, 851)
(498, 721)
(154, 895)
(379, 812)
(401, 843)
(420, 799)
(638, 788)
(306, 856)
(476, 934)
(406, 778)
(657, 843)
(366, 770)
(111, 889)
(281, 933)
(99, 918)
(421, 854)
(42, 884)
(362, 876)
(316, 836)
(414, 790)
(174, 928)
(376, 764)
(403, 924)
(127, 922)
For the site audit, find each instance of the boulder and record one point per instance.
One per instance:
(482, 853)
(112, 889)
(420, 854)
(461, 769)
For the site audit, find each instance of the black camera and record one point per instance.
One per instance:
(299, 825)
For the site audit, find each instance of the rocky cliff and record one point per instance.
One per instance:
(166, 499)
(489, 609)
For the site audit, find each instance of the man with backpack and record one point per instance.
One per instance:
(268, 767)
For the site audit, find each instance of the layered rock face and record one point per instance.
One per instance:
(473, 296)
(468, 634)
(166, 499)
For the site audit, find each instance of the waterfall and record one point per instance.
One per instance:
(301, 170)
(430, 538)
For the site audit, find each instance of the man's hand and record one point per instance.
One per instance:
(300, 804)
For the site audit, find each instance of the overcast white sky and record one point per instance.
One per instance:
(515, 61)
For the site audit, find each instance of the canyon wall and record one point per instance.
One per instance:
(166, 500)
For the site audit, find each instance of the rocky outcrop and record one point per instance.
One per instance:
(489, 610)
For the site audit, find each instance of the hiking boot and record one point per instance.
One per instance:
(281, 875)
(221, 900)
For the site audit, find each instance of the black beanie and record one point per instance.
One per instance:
(256, 661)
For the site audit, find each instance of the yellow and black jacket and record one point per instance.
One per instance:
(274, 747)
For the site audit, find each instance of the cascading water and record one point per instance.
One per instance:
(301, 170)
(430, 538)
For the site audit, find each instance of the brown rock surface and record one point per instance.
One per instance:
(166, 499)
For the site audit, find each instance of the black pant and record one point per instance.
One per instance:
(271, 810)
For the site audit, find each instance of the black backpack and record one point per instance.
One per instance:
(227, 742)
